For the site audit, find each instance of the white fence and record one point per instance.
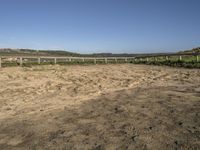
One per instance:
(39, 60)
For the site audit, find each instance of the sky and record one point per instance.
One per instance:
(93, 26)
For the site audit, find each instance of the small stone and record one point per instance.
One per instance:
(180, 123)
(176, 142)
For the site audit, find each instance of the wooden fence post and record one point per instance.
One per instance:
(106, 60)
(116, 60)
(197, 58)
(55, 61)
(147, 59)
(83, 59)
(126, 60)
(21, 61)
(180, 58)
(167, 58)
(0, 62)
(95, 61)
(39, 60)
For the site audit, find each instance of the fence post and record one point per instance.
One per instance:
(147, 59)
(0, 62)
(83, 59)
(21, 61)
(180, 58)
(55, 60)
(197, 58)
(126, 60)
(116, 60)
(95, 61)
(106, 60)
(167, 58)
(39, 60)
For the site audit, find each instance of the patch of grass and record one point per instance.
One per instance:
(173, 63)
(10, 64)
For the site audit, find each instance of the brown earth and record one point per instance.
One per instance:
(99, 107)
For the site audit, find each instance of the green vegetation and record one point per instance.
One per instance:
(10, 64)
(194, 50)
(30, 52)
(175, 61)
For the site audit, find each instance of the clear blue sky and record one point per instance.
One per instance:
(88, 26)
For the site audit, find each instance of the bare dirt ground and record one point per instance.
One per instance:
(99, 107)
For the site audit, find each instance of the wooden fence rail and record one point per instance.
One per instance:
(24, 59)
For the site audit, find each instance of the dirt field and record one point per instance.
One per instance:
(99, 107)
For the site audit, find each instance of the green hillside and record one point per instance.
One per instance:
(194, 50)
(30, 52)
(62, 53)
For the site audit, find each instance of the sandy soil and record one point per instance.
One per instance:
(99, 107)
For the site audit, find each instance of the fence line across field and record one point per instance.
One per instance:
(55, 60)
(23, 59)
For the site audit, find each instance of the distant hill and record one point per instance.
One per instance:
(123, 54)
(194, 50)
(61, 53)
(30, 52)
